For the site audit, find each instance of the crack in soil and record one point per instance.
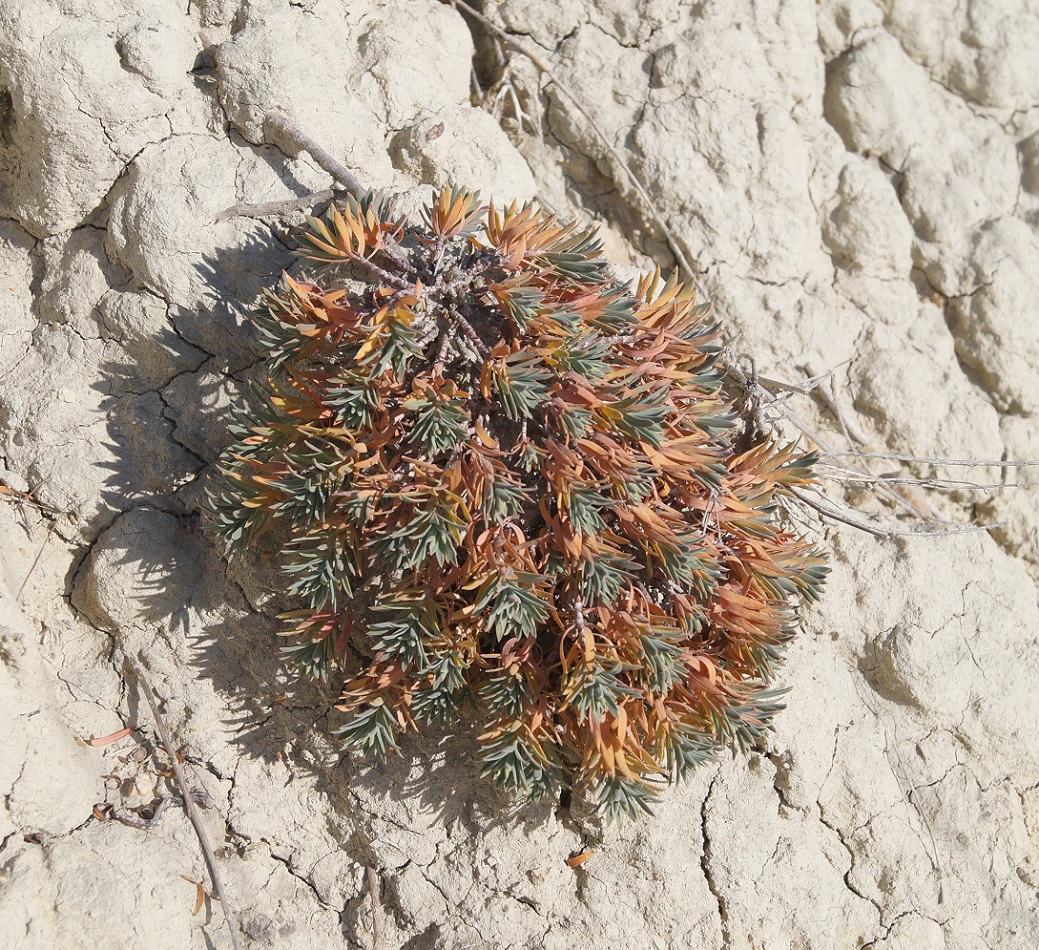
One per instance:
(705, 867)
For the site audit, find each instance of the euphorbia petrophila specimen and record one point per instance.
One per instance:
(526, 486)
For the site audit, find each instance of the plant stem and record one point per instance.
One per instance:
(336, 169)
(189, 803)
(272, 208)
(523, 48)
(467, 328)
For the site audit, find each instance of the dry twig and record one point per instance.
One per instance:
(137, 818)
(926, 460)
(273, 208)
(189, 801)
(325, 160)
(36, 560)
(931, 529)
(336, 169)
(611, 150)
(760, 394)
(372, 878)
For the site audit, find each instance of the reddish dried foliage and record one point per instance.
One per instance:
(522, 480)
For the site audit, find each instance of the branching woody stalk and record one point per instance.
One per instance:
(342, 175)
(282, 123)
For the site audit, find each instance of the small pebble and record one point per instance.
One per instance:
(144, 785)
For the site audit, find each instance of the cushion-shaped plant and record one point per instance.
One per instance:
(525, 486)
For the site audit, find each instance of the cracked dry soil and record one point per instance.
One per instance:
(857, 184)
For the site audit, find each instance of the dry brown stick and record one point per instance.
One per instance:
(339, 172)
(127, 817)
(27, 496)
(271, 208)
(521, 47)
(189, 802)
(372, 878)
(335, 168)
(342, 174)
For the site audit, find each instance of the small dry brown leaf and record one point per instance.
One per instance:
(201, 898)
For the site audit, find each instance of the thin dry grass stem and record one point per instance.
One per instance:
(759, 394)
(763, 394)
(21, 499)
(36, 560)
(864, 472)
(824, 389)
(24, 498)
(189, 802)
(854, 437)
(851, 477)
(511, 90)
(608, 146)
(372, 880)
(506, 91)
(828, 508)
(927, 460)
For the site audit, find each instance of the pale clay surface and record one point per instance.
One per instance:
(857, 182)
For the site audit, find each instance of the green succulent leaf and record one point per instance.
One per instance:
(355, 399)
(320, 566)
(518, 765)
(507, 694)
(621, 798)
(503, 499)
(432, 533)
(585, 505)
(586, 355)
(521, 384)
(400, 346)
(440, 425)
(514, 604)
(370, 731)
(313, 659)
(596, 689)
(404, 633)
(605, 576)
(684, 748)
(641, 417)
